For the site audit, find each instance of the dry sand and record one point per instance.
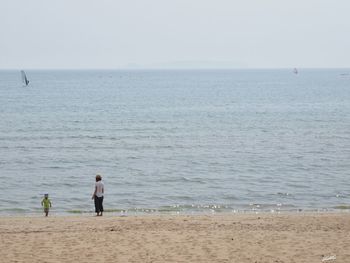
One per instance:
(237, 238)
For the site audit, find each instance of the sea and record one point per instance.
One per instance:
(175, 141)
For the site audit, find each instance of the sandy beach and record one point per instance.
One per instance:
(309, 237)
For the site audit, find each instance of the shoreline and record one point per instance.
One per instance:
(263, 237)
(124, 213)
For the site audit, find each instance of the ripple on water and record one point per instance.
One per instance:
(267, 140)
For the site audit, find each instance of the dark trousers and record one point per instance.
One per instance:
(98, 204)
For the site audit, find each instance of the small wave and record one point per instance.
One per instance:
(69, 184)
(182, 179)
(272, 207)
(195, 180)
(52, 167)
(132, 157)
(342, 207)
(229, 197)
(180, 197)
(341, 195)
(13, 210)
(284, 194)
(78, 211)
(8, 201)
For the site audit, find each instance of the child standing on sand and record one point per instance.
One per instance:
(46, 203)
(98, 195)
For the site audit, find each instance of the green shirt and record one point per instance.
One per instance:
(46, 202)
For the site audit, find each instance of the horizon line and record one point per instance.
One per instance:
(170, 68)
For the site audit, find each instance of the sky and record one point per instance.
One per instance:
(114, 34)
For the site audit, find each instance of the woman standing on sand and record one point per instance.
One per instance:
(98, 195)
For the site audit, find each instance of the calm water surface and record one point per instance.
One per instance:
(182, 141)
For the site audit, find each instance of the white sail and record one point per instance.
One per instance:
(24, 78)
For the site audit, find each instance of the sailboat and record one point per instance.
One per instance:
(295, 71)
(24, 78)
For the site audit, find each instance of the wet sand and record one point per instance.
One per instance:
(290, 237)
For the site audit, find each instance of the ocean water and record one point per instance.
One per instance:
(176, 141)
